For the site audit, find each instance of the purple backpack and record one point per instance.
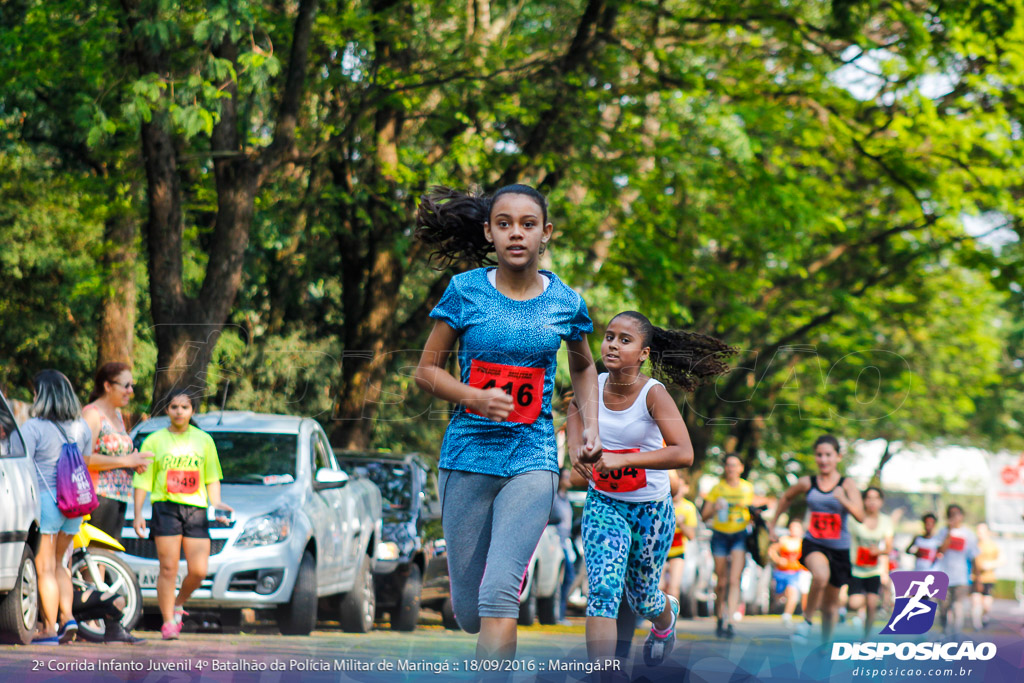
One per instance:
(76, 496)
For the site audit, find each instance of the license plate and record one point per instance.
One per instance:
(147, 577)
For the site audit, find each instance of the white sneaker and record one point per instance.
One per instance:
(803, 632)
(857, 623)
(737, 617)
(787, 620)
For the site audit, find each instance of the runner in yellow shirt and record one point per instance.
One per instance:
(728, 502)
(686, 528)
(183, 481)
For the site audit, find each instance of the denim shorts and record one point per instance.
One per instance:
(723, 544)
(52, 520)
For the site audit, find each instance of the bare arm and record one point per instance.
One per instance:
(849, 497)
(139, 523)
(801, 487)
(432, 377)
(213, 491)
(574, 445)
(584, 386)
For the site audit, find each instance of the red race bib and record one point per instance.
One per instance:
(957, 542)
(677, 539)
(182, 481)
(926, 554)
(524, 385)
(620, 480)
(826, 525)
(865, 558)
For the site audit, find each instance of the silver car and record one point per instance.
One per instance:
(302, 531)
(19, 534)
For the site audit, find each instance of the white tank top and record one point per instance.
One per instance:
(628, 429)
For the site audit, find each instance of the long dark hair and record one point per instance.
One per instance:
(108, 372)
(686, 359)
(452, 223)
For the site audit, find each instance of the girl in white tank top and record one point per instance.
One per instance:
(628, 520)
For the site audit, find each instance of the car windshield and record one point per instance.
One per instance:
(393, 479)
(253, 457)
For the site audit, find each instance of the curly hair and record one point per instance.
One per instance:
(452, 223)
(686, 359)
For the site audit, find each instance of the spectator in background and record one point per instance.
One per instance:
(785, 555)
(984, 577)
(561, 515)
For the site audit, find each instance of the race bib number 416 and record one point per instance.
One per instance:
(524, 385)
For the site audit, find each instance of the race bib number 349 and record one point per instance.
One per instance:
(524, 385)
(182, 481)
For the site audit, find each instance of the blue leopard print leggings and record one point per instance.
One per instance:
(626, 543)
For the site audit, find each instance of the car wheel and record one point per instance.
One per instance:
(19, 610)
(359, 605)
(528, 607)
(407, 614)
(297, 617)
(547, 608)
(448, 619)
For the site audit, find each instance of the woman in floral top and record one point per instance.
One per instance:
(114, 458)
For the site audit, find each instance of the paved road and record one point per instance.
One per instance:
(762, 650)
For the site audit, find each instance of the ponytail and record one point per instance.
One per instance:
(686, 359)
(452, 221)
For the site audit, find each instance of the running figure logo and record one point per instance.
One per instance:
(917, 598)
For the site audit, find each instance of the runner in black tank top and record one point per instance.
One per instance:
(826, 546)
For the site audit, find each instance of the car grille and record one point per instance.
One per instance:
(146, 547)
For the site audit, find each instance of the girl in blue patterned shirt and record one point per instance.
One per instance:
(499, 461)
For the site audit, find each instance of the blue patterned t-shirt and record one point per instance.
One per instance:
(495, 330)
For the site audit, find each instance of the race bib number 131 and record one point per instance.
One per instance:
(524, 385)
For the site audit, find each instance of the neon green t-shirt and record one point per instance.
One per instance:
(739, 498)
(183, 466)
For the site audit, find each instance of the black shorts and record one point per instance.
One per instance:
(867, 586)
(109, 517)
(838, 561)
(175, 519)
(983, 588)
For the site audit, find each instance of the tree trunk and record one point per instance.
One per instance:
(117, 322)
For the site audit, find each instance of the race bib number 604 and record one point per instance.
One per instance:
(524, 385)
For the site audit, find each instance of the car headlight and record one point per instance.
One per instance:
(387, 551)
(266, 530)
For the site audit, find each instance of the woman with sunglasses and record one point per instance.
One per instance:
(114, 457)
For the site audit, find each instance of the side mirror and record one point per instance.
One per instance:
(326, 478)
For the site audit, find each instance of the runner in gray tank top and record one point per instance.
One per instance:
(826, 547)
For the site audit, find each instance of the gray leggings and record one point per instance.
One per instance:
(492, 526)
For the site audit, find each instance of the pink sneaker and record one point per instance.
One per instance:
(170, 630)
(179, 615)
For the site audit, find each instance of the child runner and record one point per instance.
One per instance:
(686, 529)
(826, 547)
(183, 481)
(499, 459)
(785, 555)
(957, 546)
(925, 547)
(628, 519)
(870, 543)
(984, 577)
(728, 502)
